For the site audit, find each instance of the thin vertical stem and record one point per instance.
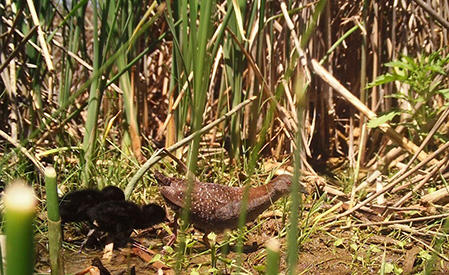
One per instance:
(292, 236)
(54, 223)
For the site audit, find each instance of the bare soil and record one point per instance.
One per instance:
(336, 252)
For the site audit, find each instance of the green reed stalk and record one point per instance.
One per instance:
(90, 136)
(252, 127)
(201, 71)
(180, 72)
(292, 234)
(212, 238)
(272, 247)
(234, 72)
(54, 223)
(126, 24)
(72, 33)
(300, 87)
(2, 271)
(20, 207)
(190, 54)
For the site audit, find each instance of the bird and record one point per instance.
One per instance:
(119, 218)
(215, 207)
(74, 205)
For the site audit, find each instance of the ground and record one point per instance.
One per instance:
(331, 251)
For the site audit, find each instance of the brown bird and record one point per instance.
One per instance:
(216, 207)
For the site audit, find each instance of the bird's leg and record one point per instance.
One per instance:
(206, 240)
(175, 231)
(91, 232)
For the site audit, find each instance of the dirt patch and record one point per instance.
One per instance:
(343, 252)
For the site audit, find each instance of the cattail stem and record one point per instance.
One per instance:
(272, 257)
(20, 206)
(2, 271)
(54, 223)
(52, 195)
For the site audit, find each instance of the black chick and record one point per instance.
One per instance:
(119, 218)
(73, 206)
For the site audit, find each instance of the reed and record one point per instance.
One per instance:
(54, 223)
(20, 207)
(272, 248)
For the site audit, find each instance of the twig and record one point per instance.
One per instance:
(18, 48)
(428, 247)
(389, 186)
(437, 125)
(432, 13)
(421, 232)
(385, 127)
(397, 221)
(24, 151)
(40, 36)
(423, 181)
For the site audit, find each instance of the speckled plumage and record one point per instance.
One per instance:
(216, 207)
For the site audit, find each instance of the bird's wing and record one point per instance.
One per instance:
(233, 209)
(229, 210)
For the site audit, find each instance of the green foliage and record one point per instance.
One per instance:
(373, 123)
(210, 74)
(421, 84)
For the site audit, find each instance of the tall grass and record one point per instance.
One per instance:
(95, 94)
(93, 86)
(193, 59)
(203, 36)
(118, 34)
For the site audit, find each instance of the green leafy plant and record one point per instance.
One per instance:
(421, 88)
